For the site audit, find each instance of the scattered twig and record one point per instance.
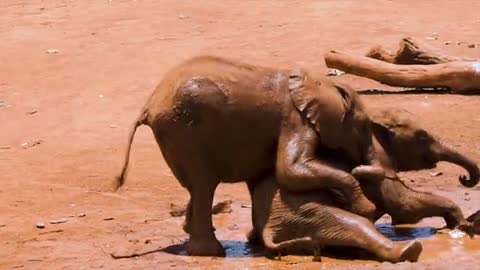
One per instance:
(219, 208)
(134, 254)
(27, 145)
(55, 231)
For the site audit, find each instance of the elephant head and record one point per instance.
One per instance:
(336, 113)
(412, 148)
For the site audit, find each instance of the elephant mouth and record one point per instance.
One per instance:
(429, 162)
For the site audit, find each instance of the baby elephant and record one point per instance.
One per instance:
(287, 220)
(403, 145)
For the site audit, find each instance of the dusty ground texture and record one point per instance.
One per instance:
(74, 75)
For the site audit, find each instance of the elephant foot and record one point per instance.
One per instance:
(253, 237)
(205, 247)
(368, 173)
(404, 251)
(471, 228)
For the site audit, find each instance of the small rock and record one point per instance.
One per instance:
(177, 210)
(246, 206)
(234, 227)
(431, 38)
(58, 221)
(100, 96)
(40, 225)
(32, 112)
(448, 42)
(471, 45)
(113, 126)
(222, 207)
(148, 241)
(182, 16)
(435, 174)
(27, 145)
(2, 225)
(53, 51)
(5, 147)
(109, 218)
(81, 215)
(335, 72)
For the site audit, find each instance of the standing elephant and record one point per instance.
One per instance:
(216, 120)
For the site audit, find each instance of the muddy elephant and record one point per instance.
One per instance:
(403, 145)
(288, 220)
(217, 120)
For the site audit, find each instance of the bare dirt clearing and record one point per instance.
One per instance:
(86, 69)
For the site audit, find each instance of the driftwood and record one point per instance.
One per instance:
(459, 76)
(412, 51)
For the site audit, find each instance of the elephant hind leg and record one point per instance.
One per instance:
(342, 228)
(202, 240)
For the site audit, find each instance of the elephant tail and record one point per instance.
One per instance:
(140, 121)
(267, 237)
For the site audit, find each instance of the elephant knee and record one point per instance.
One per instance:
(289, 179)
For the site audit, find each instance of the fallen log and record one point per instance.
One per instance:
(411, 51)
(458, 76)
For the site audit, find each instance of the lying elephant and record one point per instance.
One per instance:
(310, 220)
(220, 121)
(315, 218)
(403, 145)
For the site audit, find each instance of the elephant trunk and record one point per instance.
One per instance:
(445, 153)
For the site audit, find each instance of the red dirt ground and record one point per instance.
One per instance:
(110, 56)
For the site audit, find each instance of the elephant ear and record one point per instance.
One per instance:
(387, 122)
(323, 104)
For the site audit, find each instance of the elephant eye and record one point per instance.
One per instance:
(422, 137)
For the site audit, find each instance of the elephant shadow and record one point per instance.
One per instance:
(243, 249)
(233, 249)
(418, 91)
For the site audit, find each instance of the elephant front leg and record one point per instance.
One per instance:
(253, 236)
(299, 168)
(412, 206)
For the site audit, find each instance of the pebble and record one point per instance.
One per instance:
(53, 51)
(40, 225)
(109, 218)
(81, 215)
(472, 45)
